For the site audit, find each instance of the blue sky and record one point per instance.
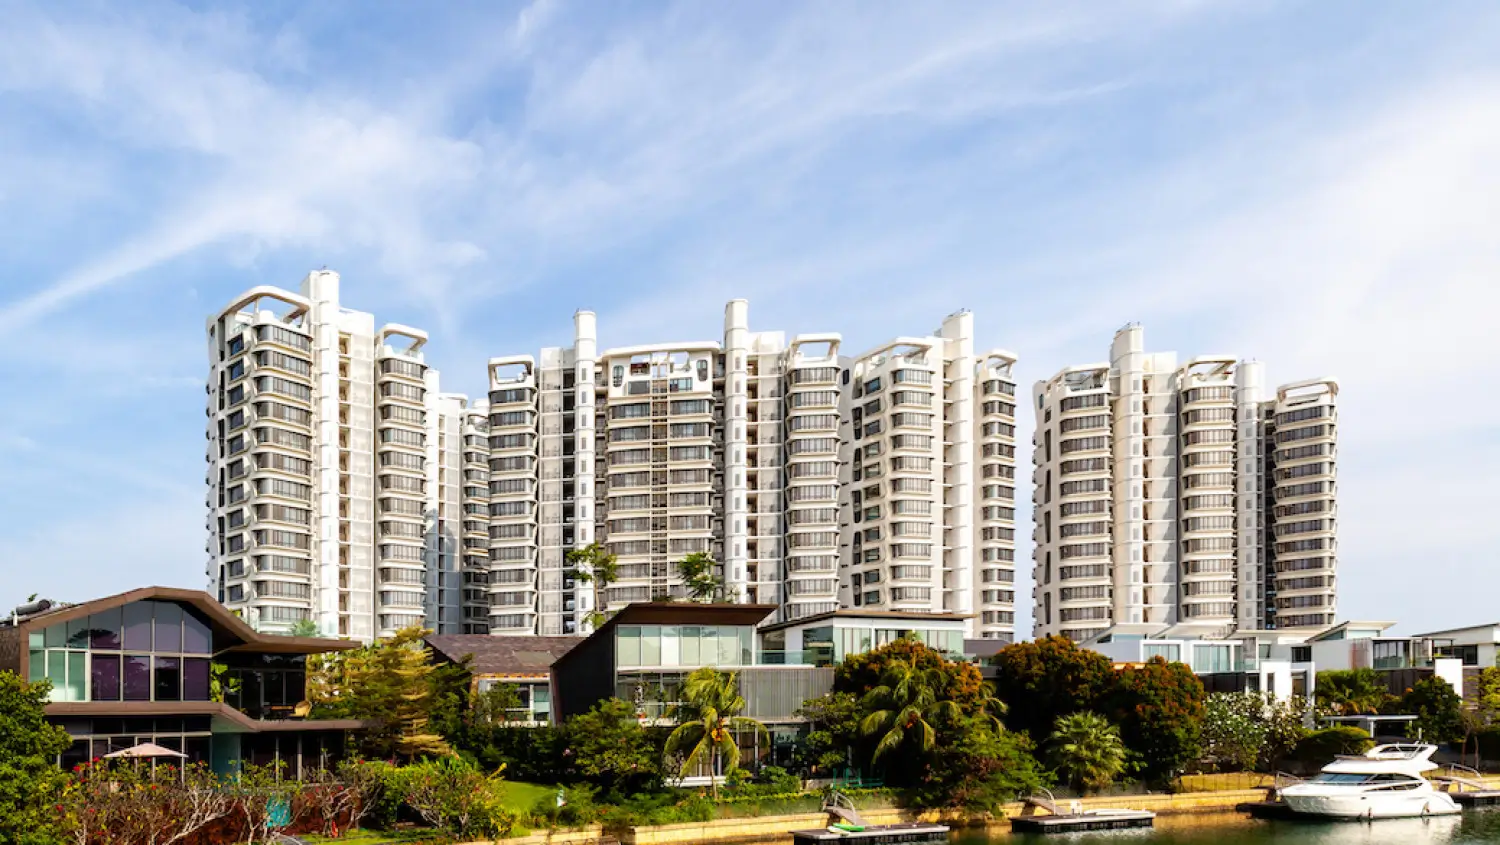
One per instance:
(1313, 184)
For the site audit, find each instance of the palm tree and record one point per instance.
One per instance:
(1087, 750)
(902, 708)
(1352, 692)
(709, 714)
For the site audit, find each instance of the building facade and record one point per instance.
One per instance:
(1167, 493)
(815, 480)
(141, 667)
(335, 469)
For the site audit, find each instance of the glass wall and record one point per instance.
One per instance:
(265, 686)
(683, 645)
(144, 651)
(93, 738)
(1170, 652)
(1213, 658)
(535, 699)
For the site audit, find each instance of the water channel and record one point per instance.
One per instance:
(1481, 827)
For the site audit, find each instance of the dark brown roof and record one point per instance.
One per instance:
(856, 613)
(684, 613)
(224, 622)
(234, 720)
(513, 656)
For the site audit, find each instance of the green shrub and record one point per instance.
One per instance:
(453, 795)
(1320, 746)
(579, 808)
(777, 780)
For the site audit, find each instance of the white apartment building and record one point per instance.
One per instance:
(334, 469)
(815, 480)
(1167, 493)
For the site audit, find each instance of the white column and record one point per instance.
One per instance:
(1250, 468)
(736, 353)
(322, 288)
(1127, 367)
(585, 347)
(958, 467)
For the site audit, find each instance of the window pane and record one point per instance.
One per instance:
(650, 645)
(671, 651)
(106, 677)
(168, 677)
(629, 644)
(745, 647)
(56, 636)
(195, 679)
(104, 629)
(78, 673)
(57, 673)
(78, 633)
(36, 665)
(729, 646)
(195, 634)
(138, 626)
(168, 627)
(690, 653)
(137, 675)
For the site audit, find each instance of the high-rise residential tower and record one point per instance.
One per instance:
(334, 469)
(1167, 493)
(815, 480)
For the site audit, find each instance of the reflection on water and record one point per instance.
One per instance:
(1473, 828)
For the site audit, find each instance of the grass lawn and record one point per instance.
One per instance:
(521, 796)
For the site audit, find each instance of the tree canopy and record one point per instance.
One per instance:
(1043, 680)
(30, 782)
(388, 683)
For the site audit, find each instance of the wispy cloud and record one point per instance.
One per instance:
(1305, 183)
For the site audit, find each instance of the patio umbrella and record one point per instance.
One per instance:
(146, 750)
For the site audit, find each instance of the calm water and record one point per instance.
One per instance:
(1472, 828)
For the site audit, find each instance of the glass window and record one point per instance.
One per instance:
(104, 630)
(37, 665)
(78, 673)
(650, 645)
(729, 646)
(1211, 658)
(691, 656)
(195, 679)
(57, 636)
(57, 673)
(168, 679)
(168, 627)
(138, 626)
(196, 637)
(78, 633)
(671, 646)
(628, 640)
(105, 677)
(137, 677)
(746, 647)
(1171, 653)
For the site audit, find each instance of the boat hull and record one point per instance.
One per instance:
(1370, 806)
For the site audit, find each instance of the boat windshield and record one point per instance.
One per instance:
(1354, 777)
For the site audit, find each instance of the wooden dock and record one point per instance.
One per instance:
(1080, 822)
(1477, 798)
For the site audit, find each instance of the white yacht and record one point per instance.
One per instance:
(1385, 782)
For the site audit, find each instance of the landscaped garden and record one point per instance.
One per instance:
(444, 764)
